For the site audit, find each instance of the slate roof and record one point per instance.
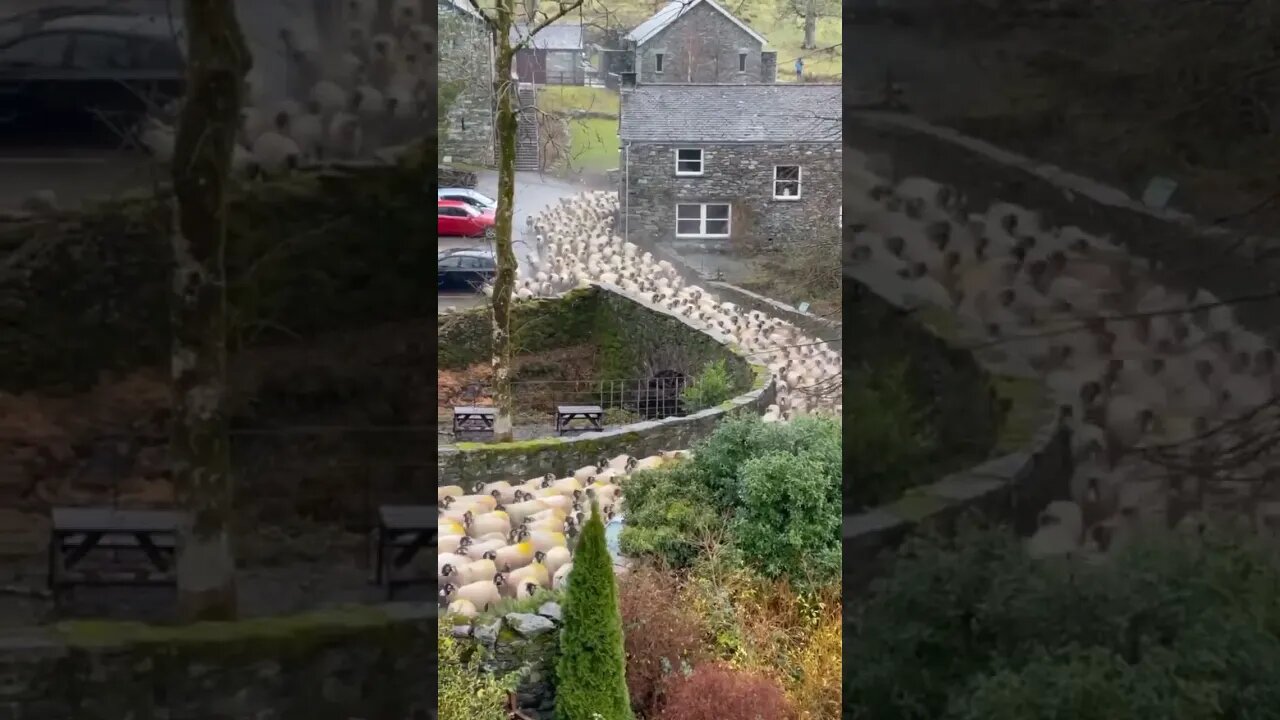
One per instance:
(674, 10)
(462, 6)
(552, 37)
(778, 112)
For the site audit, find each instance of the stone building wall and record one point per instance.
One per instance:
(769, 66)
(358, 662)
(466, 58)
(701, 46)
(737, 173)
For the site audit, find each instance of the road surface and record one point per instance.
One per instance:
(534, 193)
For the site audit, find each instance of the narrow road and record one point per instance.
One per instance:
(534, 193)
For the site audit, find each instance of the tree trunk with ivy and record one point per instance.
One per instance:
(810, 25)
(505, 280)
(218, 60)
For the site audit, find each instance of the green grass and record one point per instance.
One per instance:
(557, 99)
(593, 144)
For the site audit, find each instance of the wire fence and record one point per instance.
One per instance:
(627, 400)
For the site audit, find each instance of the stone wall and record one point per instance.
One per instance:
(1187, 253)
(82, 293)
(701, 46)
(466, 64)
(739, 174)
(641, 339)
(360, 662)
(528, 641)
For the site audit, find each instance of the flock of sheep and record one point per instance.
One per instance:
(576, 245)
(511, 541)
(507, 540)
(375, 91)
(1148, 378)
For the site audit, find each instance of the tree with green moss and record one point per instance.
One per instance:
(591, 674)
(199, 448)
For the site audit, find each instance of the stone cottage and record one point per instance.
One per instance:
(698, 41)
(552, 57)
(711, 163)
(466, 68)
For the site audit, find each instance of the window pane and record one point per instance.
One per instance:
(160, 56)
(786, 172)
(717, 227)
(688, 227)
(786, 188)
(448, 264)
(690, 154)
(689, 212)
(657, 62)
(42, 51)
(471, 263)
(718, 212)
(93, 51)
(742, 62)
(694, 166)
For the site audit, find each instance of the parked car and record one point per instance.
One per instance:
(92, 70)
(459, 219)
(478, 200)
(465, 270)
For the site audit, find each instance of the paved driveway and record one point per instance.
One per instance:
(533, 194)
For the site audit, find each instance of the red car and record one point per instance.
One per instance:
(459, 219)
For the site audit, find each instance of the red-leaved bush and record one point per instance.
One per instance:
(716, 692)
(662, 635)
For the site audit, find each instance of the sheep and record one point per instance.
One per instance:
(556, 558)
(491, 522)
(510, 557)
(462, 607)
(482, 594)
(535, 571)
(275, 152)
(561, 577)
(473, 571)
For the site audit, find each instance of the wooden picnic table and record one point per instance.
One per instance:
(472, 418)
(567, 414)
(77, 531)
(409, 529)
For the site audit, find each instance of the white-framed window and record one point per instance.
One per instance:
(742, 61)
(704, 220)
(657, 61)
(786, 182)
(689, 161)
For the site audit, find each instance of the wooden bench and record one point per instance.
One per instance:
(567, 414)
(473, 419)
(76, 532)
(408, 529)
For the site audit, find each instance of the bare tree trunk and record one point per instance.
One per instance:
(218, 62)
(810, 25)
(505, 280)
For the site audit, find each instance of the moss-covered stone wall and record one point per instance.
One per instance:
(958, 395)
(86, 292)
(636, 339)
(359, 662)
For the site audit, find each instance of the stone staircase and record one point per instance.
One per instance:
(528, 150)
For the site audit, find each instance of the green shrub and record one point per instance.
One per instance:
(757, 478)
(971, 628)
(711, 387)
(667, 516)
(467, 691)
(591, 672)
(889, 444)
(787, 525)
